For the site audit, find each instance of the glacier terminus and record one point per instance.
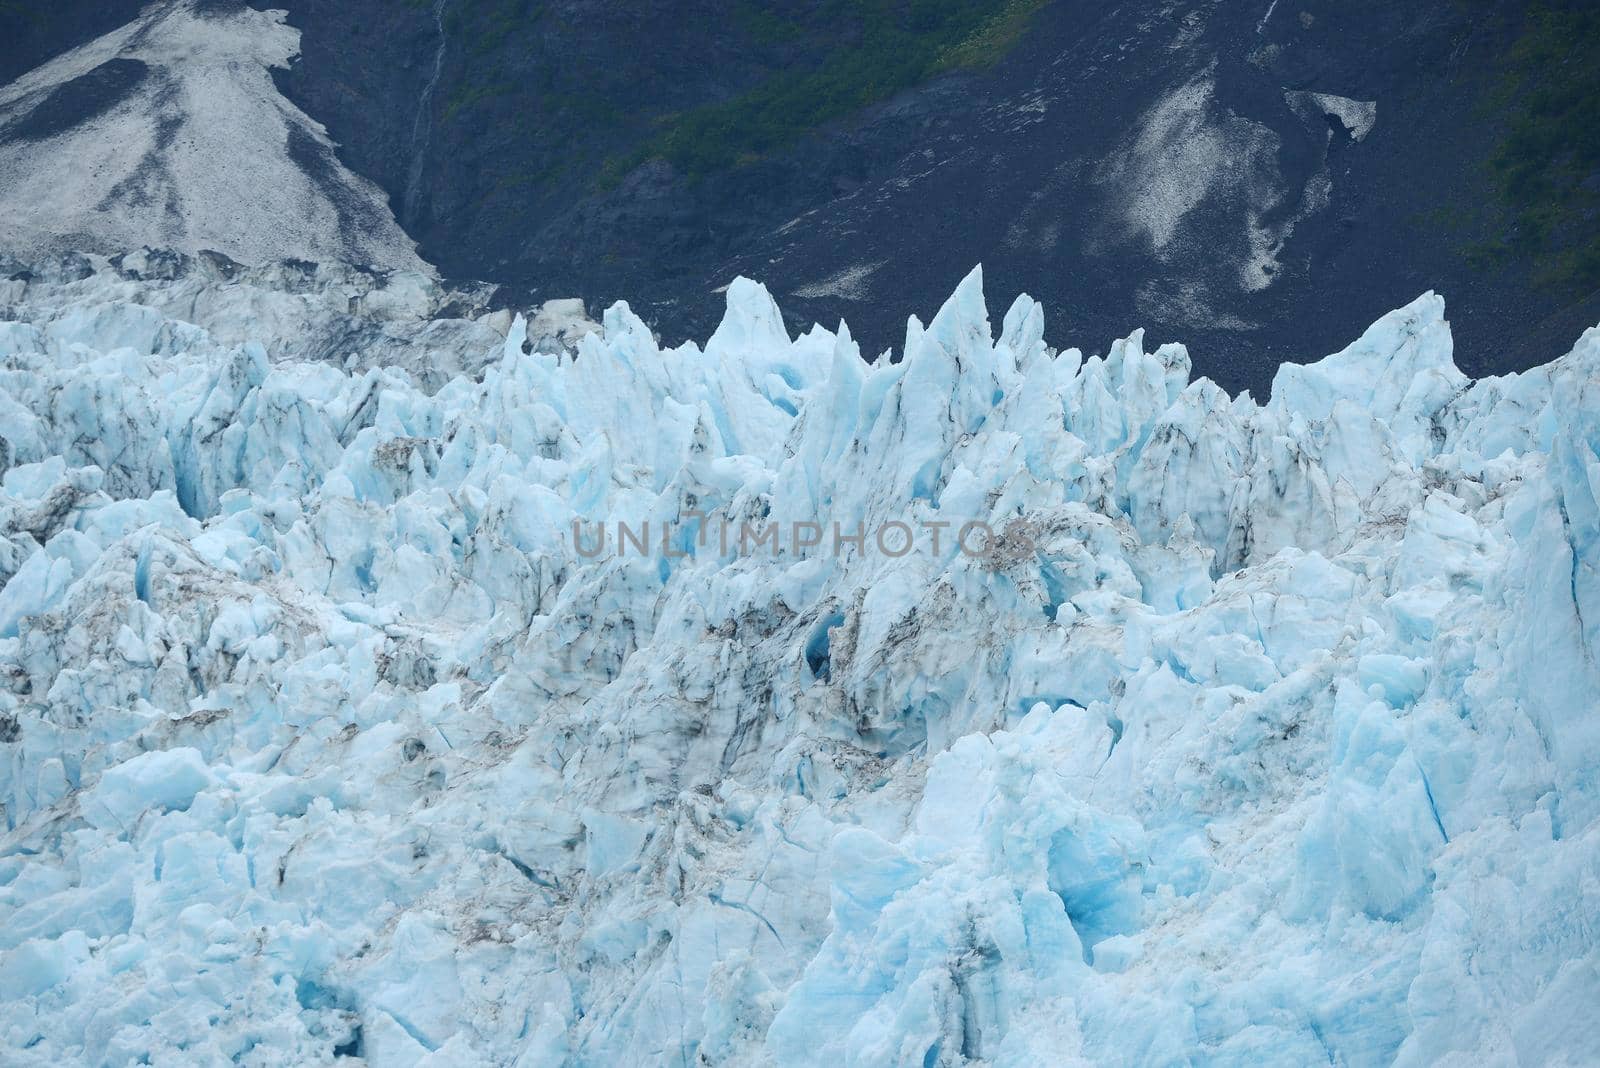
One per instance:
(1276, 740)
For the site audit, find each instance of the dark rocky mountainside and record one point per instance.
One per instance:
(1258, 179)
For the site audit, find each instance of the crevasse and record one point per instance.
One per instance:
(1276, 741)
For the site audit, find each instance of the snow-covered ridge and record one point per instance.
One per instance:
(170, 132)
(322, 741)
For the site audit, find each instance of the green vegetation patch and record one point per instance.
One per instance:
(879, 47)
(23, 9)
(1547, 168)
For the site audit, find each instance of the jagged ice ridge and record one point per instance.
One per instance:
(320, 740)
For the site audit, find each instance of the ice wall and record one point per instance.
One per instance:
(1263, 732)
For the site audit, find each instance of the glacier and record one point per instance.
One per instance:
(1257, 732)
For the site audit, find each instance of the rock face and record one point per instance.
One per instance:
(1245, 177)
(1248, 732)
(1256, 179)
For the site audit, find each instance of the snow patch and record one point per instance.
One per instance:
(170, 132)
(1355, 117)
(848, 284)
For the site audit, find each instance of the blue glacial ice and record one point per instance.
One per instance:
(1259, 732)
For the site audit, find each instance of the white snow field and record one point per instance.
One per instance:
(169, 131)
(1263, 733)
